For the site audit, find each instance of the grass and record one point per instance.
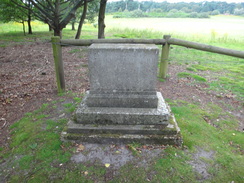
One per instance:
(13, 32)
(194, 76)
(36, 153)
(222, 31)
(224, 27)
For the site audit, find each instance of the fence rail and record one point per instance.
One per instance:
(205, 47)
(88, 42)
(57, 44)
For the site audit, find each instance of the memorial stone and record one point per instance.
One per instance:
(123, 104)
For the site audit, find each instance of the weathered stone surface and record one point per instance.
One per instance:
(131, 116)
(127, 100)
(123, 75)
(117, 134)
(122, 67)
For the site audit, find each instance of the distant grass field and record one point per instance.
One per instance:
(217, 27)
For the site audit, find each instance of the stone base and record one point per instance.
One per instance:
(124, 116)
(124, 125)
(117, 134)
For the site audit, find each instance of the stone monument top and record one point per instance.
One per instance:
(123, 75)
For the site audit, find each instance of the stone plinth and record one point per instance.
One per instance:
(123, 75)
(122, 104)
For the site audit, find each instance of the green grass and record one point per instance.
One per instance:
(37, 153)
(194, 76)
(13, 32)
(224, 31)
(197, 132)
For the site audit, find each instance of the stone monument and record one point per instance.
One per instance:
(123, 105)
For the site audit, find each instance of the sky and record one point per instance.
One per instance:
(187, 1)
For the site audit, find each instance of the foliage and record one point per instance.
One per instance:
(159, 14)
(200, 7)
(10, 12)
(56, 14)
(215, 12)
(239, 11)
(203, 15)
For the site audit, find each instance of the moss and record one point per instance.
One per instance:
(191, 69)
(194, 76)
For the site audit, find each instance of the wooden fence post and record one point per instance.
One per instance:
(57, 54)
(164, 58)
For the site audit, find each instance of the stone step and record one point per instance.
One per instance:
(124, 116)
(117, 134)
(125, 138)
(121, 129)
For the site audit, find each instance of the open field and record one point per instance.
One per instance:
(205, 92)
(231, 27)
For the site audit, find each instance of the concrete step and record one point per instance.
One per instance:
(125, 138)
(117, 134)
(120, 129)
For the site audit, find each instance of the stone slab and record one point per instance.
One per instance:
(129, 116)
(124, 134)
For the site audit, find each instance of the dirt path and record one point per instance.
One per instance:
(27, 80)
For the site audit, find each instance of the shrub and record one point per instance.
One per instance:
(239, 11)
(193, 15)
(173, 11)
(157, 10)
(203, 15)
(215, 12)
(137, 14)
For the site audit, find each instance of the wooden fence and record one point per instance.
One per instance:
(57, 44)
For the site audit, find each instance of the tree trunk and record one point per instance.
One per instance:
(50, 28)
(29, 18)
(101, 17)
(58, 32)
(29, 25)
(73, 25)
(23, 24)
(82, 18)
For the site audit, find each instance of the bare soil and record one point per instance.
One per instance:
(27, 80)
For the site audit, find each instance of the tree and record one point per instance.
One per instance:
(88, 12)
(10, 12)
(56, 13)
(101, 17)
(83, 16)
(29, 15)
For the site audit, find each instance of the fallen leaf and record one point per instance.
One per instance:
(107, 165)
(80, 148)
